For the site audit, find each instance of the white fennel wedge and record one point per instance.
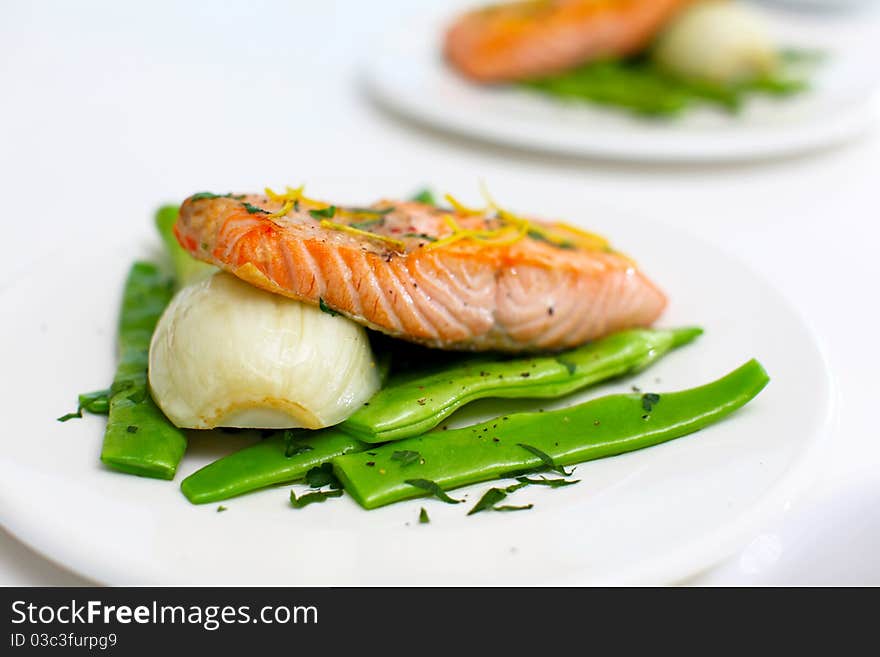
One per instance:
(227, 354)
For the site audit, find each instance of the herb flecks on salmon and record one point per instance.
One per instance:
(452, 278)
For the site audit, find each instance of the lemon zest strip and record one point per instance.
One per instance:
(287, 207)
(397, 244)
(589, 240)
(295, 194)
(461, 207)
(495, 237)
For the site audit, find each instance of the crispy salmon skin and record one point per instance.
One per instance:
(443, 277)
(519, 40)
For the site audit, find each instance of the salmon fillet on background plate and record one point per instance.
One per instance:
(449, 278)
(531, 38)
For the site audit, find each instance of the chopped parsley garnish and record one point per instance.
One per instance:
(310, 498)
(425, 196)
(541, 237)
(571, 367)
(97, 403)
(119, 386)
(221, 508)
(490, 498)
(369, 223)
(406, 457)
(139, 395)
(543, 481)
(513, 508)
(253, 209)
(433, 488)
(649, 401)
(423, 517)
(379, 211)
(321, 476)
(325, 308)
(545, 459)
(291, 447)
(326, 213)
(208, 195)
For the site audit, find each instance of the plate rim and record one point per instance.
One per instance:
(802, 137)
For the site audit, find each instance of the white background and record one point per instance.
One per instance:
(109, 109)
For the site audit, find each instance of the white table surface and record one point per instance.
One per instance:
(110, 108)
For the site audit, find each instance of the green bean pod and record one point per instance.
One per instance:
(269, 462)
(415, 405)
(139, 439)
(602, 427)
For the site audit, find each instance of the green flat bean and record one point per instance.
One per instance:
(644, 88)
(267, 464)
(139, 439)
(602, 427)
(187, 270)
(416, 404)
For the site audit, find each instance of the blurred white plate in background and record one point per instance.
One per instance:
(406, 73)
(824, 5)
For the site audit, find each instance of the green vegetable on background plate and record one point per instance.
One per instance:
(710, 53)
(602, 427)
(641, 86)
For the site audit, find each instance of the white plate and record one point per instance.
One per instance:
(648, 517)
(830, 542)
(406, 73)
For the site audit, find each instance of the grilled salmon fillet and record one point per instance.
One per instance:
(520, 40)
(445, 278)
